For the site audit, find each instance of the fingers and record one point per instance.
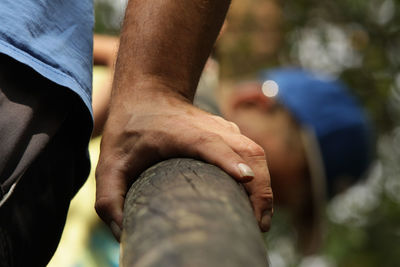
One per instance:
(111, 187)
(245, 161)
(214, 150)
(261, 197)
(259, 189)
(149, 139)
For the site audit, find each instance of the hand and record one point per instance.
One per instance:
(144, 130)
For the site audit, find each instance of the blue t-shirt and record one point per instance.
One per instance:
(54, 37)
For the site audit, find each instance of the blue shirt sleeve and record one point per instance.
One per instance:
(54, 37)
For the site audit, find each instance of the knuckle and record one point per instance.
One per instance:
(100, 169)
(250, 149)
(102, 206)
(109, 162)
(256, 150)
(231, 126)
(234, 127)
(265, 196)
(218, 119)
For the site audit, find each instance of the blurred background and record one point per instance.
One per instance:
(357, 41)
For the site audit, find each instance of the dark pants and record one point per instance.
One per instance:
(44, 130)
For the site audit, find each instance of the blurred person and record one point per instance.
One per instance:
(46, 114)
(316, 136)
(105, 48)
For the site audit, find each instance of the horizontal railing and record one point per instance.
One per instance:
(184, 212)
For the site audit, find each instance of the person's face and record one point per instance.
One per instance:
(267, 123)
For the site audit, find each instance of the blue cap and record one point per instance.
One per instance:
(341, 127)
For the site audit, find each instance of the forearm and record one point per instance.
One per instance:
(166, 42)
(163, 48)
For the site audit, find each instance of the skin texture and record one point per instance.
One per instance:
(164, 45)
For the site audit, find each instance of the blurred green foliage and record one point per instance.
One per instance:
(108, 16)
(360, 42)
(372, 30)
(370, 33)
(370, 234)
(377, 243)
(355, 40)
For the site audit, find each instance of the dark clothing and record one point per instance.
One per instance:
(44, 131)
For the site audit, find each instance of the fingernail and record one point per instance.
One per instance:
(116, 230)
(245, 170)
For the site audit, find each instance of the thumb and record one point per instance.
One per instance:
(111, 188)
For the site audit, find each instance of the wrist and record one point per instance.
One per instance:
(152, 88)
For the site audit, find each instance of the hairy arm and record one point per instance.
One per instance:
(164, 45)
(167, 42)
